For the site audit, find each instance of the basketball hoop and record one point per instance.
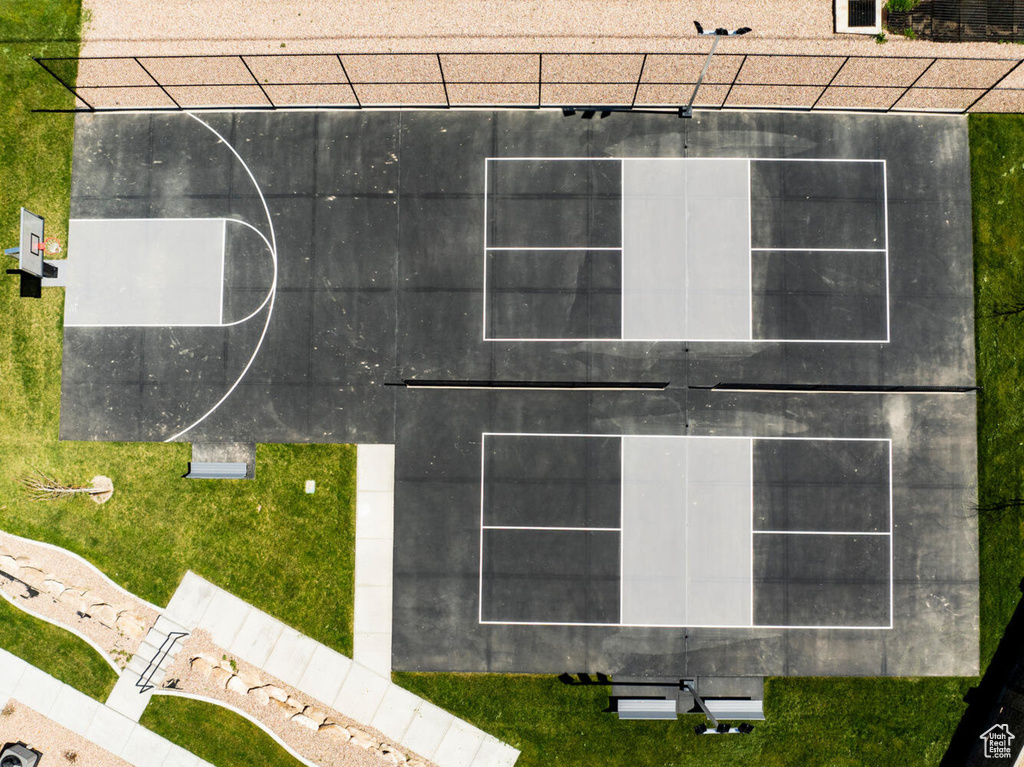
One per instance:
(50, 246)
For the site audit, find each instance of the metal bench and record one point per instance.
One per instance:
(646, 708)
(215, 470)
(747, 710)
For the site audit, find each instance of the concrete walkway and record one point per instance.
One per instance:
(107, 728)
(351, 688)
(147, 669)
(375, 533)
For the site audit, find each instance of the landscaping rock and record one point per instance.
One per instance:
(219, 677)
(73, 597)
(104, 613)
(363, 739)
(274, 692)
(315, 713)
(250, 680)
(32, 576)
(259, 696)
(134, 626)
(285, 708)
(394, 757)
(304, 721)
(54, 587)
(235, 684)
(202, 665)
(10, 565)
(336, 732)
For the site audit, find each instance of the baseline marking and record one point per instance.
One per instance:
(556, 529)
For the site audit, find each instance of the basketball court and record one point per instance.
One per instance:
(668, 396)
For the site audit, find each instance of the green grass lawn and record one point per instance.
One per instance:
(809, 722)
(215, 734)
(997, 190)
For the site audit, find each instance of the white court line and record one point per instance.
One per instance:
(885, 209)
(814, 159)
(693, 340)
(483, 458)
(622, 261)
(679, 159)
(493, 249)
(751, 532)
(743, 626)
(681, 436)
(273, 293)
(622, 532)
(750, 300)
(819, 532)
(223, 258)
(160, 218)
(751, 625)
(892, 560)
(822, 250)
(487, 195)
(558, 529)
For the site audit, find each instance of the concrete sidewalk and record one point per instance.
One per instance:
(333, 679)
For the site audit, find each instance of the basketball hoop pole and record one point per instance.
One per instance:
(687, 111)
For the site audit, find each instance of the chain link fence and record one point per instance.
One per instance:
(535, 80)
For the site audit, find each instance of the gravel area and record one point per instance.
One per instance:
(314, 730)
(795, 56)
(58, 746)
(63, 588)
(140, 27)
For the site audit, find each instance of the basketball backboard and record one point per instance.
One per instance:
(30, 253)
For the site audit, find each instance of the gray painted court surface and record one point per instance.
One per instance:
(722, 522)
(148, 271)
